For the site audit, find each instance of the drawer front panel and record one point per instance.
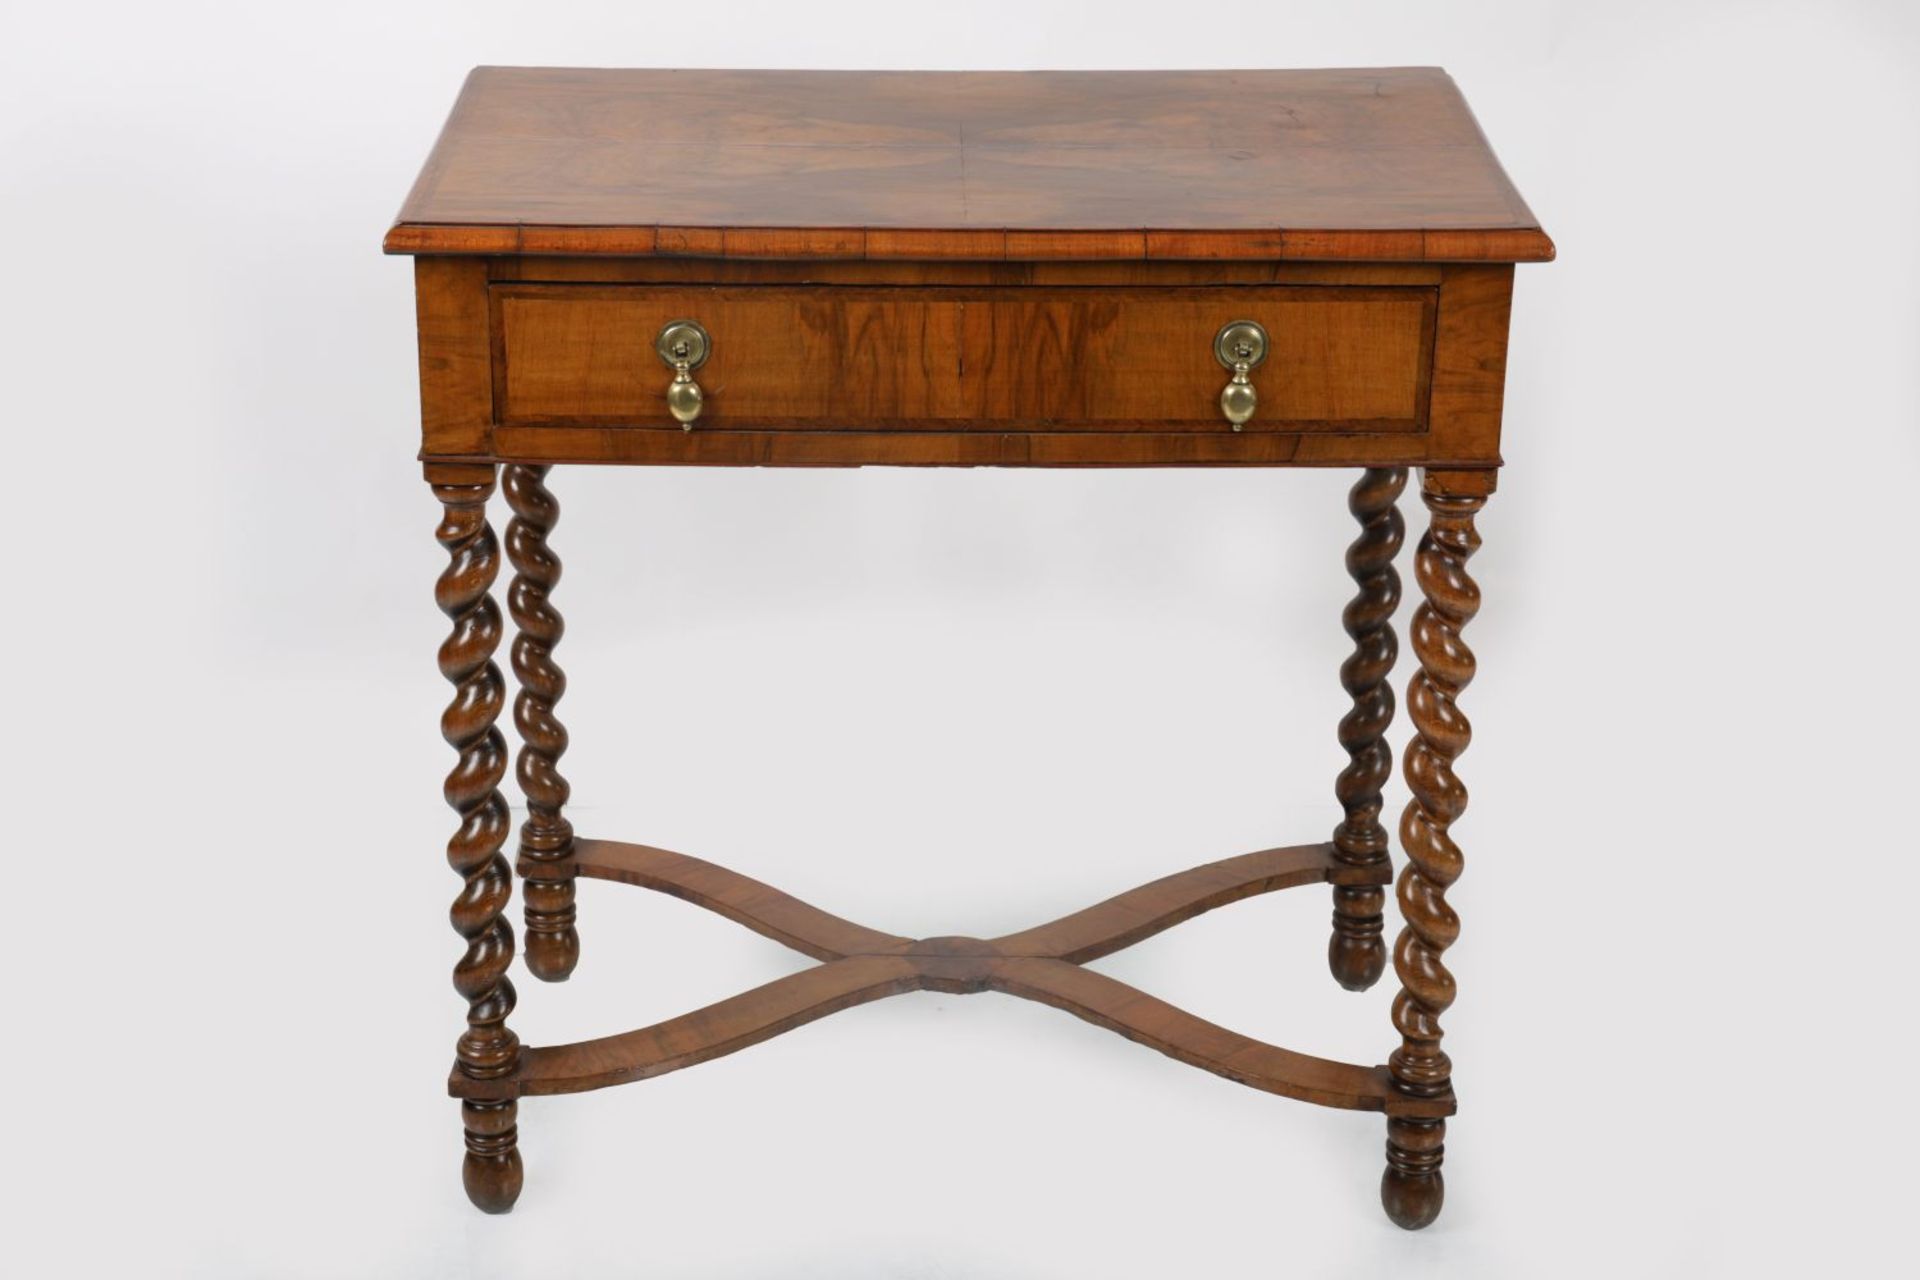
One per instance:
(845, 358)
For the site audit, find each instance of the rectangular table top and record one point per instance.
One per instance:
(1335, 165)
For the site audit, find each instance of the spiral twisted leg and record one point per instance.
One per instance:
(1357, 953)
(1412, 1189)
(487, 1050)
(546, 838)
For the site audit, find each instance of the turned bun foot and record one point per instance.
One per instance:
(1412, 1200)
(491, 1172)
(493, 1183)
(1412, 1189)
(1356, 962)
(551, 957)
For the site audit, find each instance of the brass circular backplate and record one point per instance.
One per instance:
(683, 340)
(1240, 342)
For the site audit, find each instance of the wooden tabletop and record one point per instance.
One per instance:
(1344, 165)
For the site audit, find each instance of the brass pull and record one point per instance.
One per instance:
(1240, 346)
(684, 345)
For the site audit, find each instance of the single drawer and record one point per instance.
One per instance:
(813, 358)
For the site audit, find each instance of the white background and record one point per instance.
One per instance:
(957, 701)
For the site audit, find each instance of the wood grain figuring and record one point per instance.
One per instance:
(456, 360)
(567, 270)
(806, 358)
(651, 446)
(1470, 362)
(861, 965)
(1370, 164)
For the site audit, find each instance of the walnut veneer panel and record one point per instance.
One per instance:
(1368, 164)
(1351, 359)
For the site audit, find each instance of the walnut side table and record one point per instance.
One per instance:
(1035, 269)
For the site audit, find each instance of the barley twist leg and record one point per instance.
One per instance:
(488, 1050)
(1412, 1189)
(546, 838)
(1357, 953)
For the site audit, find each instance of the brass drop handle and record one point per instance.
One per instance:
(1240, 346)
(684, 345)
